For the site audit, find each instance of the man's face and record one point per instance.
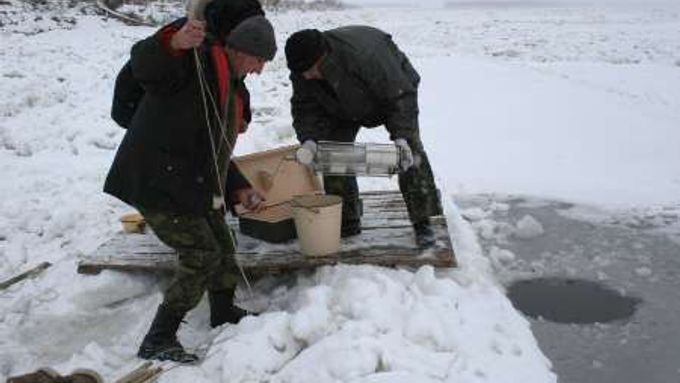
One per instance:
(314, 73)
(246, 64)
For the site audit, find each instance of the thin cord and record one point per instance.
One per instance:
(213, 103)
(208, 124)
(204, 90)
(222, 123)
(216, 111)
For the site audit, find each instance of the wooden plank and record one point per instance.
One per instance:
(387, 239)
(26, 274)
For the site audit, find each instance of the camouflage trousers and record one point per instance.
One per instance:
(205, 247)
(417, 184)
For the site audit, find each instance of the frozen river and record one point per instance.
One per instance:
(635, 253)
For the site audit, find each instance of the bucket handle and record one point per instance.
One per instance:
(314, 210)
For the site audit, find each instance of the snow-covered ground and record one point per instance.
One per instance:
(577, 103)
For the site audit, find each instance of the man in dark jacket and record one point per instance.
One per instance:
(173, 164)
(355, 76)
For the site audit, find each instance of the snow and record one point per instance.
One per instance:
(520, 125)
(575, 103)
(528, 227)
(500, 256)
(355, 321)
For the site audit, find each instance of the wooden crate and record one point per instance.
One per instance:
(278, 177)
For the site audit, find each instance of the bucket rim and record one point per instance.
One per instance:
(315, 200)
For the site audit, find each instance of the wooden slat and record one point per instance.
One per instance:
(26, 274)
(387, 239)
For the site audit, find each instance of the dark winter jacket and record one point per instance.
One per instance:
(165, 160)
(221, 17)
(367, 81)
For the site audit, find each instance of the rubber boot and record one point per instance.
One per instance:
(222, 308)
(425, 237)
(161, 343)
(352, 210)
(350, 228)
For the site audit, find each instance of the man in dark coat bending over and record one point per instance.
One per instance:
(356, 76)
(173, 164)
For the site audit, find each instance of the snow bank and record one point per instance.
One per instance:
(350, 323)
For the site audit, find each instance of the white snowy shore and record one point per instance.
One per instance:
(565, 102)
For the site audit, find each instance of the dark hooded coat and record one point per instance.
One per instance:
(367, 81)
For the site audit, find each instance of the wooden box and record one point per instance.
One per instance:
(278, 177)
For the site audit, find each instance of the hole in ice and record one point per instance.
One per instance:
(564, 300)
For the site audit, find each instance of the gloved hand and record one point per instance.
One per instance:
(306, 153)
(405, 154)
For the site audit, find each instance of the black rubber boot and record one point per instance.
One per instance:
(425, 237)
(350, 228)
(222, 308)
(161, 343)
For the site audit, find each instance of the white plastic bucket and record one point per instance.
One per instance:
(133, 223)
(317, 222)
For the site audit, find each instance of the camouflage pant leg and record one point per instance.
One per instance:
(344, 186)
(226, 239)
(205, 250)
(417, 184)
(347, 188)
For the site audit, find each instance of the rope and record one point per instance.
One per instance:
(223, 124)
(202, 83)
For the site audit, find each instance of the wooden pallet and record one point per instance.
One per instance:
(387, 240)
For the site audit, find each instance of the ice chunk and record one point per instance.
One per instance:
(528, 227)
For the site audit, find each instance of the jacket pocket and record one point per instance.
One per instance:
(168, 174)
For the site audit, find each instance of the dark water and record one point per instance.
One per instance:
(564, 300)
(579, 274)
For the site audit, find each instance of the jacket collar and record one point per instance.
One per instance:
(332, 69)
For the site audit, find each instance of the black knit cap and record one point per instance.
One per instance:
(254, 36)
(304, 48)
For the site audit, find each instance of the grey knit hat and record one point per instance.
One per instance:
(254, 36)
